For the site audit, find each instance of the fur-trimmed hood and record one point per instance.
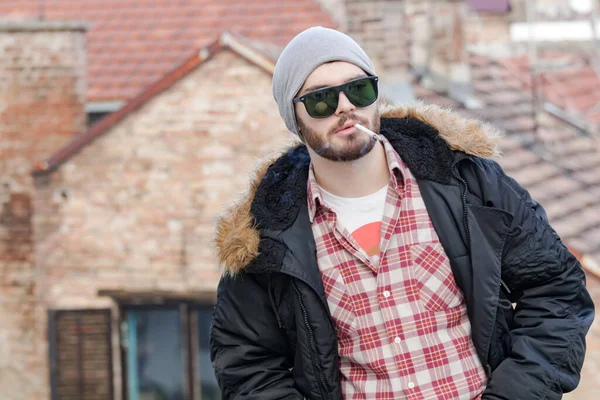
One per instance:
(428, 138)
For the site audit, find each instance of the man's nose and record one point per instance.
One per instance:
(344, 105)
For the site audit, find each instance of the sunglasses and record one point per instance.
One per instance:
(322, 103)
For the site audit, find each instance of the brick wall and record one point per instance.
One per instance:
(42, 93)
(42, 67)
(409, 37)
(546, 10)
(18, 354)
(135, 210)
(380, 27)
(505, 103)
(337, 9)
(443, 33)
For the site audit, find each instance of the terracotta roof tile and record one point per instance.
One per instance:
(518, 157)
(557, 164)
(566, 175)
(569, 227)
(573, 146)
(590, 177)
(432, 97)
(566, 80)
(548, 135)
(561, 168)
(567, 204)
(584, 161)
(584, 246)
(587, 218)
(161, 34)
(530, 176)
(548, 194)
(518, 124)
(594, 235)
(508, 146)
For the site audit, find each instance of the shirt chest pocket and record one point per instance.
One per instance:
(434, 278)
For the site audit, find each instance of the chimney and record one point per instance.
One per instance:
(447, 32)
(42, 93)
(382, 29)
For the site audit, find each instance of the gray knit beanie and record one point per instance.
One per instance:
(303, 54)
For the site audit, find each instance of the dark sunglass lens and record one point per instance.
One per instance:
(362, 92)
(322, 103)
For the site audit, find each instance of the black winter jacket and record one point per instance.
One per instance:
(273, 337)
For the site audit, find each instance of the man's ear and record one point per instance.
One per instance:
(300, 136)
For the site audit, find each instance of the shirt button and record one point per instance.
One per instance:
(397, 340)
(386, 294)
(411, 385)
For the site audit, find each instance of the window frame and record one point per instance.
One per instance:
(190, 340)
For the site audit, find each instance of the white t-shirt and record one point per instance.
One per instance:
(361, 216)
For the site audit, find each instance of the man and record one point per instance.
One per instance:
(385, 266)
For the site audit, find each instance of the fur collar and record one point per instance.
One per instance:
(428, 138)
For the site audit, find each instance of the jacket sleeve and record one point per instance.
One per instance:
(553, 308)
(248, 349)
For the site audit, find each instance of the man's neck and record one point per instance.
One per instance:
(354, 178)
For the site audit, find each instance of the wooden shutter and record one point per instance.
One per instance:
(80, 354)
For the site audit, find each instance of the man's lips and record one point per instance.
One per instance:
(346, 129)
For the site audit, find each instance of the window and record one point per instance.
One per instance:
(155, 367)
(166, 353)
(93, 117)
(208, 383)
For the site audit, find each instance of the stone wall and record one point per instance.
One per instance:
(42, 94)
(42, 68)
(381, 28)
(135, 210)
(20, 366)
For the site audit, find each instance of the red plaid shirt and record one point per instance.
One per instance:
(402, 325)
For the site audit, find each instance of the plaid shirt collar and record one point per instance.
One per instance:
(398, 173)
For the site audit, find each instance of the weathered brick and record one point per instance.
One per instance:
(41, 92)
(377, 25)
(141, 200)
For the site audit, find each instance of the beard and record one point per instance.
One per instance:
(345, 149)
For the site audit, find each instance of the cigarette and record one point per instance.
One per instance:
(365, 130)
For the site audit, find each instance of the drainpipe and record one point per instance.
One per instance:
(595, 39)
(531, 13)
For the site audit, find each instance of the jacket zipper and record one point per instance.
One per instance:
(488, 368)
(313, 345)
(465, 223)
(464, 201)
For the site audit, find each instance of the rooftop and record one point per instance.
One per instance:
(134, 43)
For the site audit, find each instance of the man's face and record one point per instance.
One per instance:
(327, 136)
